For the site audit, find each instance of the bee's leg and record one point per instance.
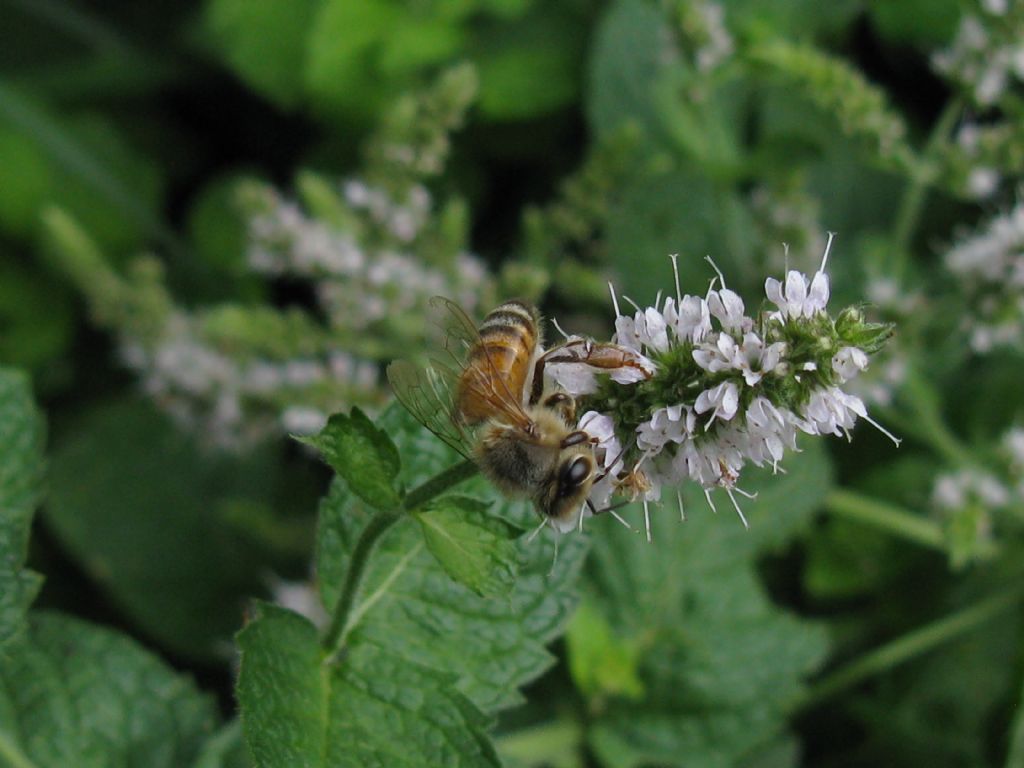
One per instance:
(603, 357)
(564, 405)
(568, 352)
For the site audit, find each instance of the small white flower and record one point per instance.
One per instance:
(755, 359)
(690, 318)
(727, 307)
(675, 424)
(848, 362)
(797, 298)
(722, 400)
(653, 329)
(770, 432)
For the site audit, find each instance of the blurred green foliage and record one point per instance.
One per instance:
(872, 614)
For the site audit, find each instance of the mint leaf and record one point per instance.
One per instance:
(628, 59)
(363, 455)
(344, 40)
(718, 661)
(225, 749)
(410, 607)
(74, 694)
(473, 546)
(601, 663)
(264, 41)
(369, 707)
(21, 466)
(144, 511)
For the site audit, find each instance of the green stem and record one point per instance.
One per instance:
(928, 423)
(913, 198)
(555, 743)
(11, 755)
(908, 646)
(851, 505)
(379, 524)
(439, 483)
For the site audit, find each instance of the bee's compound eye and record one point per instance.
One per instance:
(576, 472)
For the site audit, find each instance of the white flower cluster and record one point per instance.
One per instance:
(716, 44)
(989, 265)
(361, 280)
(212, 393)
(982, 178)
(987, 53)
(953, 491)
(734, 414)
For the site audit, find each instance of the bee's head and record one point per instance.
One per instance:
(561, 498)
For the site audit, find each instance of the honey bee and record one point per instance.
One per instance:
(492, 403)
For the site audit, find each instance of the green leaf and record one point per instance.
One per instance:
(719, 662)
(645, 226)
(93, 172)
(225, 749)
(343, 43)
(27, 181)
(508, 82)
(601, 663)
(75, 694)
(21, 466)
(369, 707)
(363, 455)
(545, 45)
(138, 505)
(409, 606)
(474, 547)
(924, 23)
(627, 63)
(264, 41)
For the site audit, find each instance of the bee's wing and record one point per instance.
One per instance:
(428, 394)
(459, 331)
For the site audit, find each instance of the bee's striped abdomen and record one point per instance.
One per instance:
(499, 362)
